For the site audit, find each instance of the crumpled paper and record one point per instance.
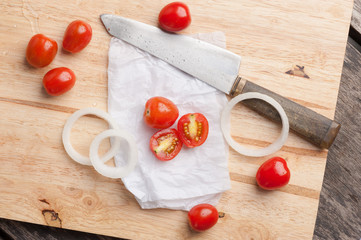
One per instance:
(195, 175)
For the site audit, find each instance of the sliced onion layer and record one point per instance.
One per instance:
(67, 129)
(108, 171)
(272, 148)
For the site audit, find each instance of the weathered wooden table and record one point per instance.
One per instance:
(340, 207)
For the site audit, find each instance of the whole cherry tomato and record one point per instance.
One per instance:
(165, 144)
(174, 17)
(58, 81)
(273, 174)
(193, 129)
(160, 112)
(202, 217)
(41, 51)
(77, 36)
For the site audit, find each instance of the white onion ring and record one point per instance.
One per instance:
(67, 129)
(225, 125)
(114, 172)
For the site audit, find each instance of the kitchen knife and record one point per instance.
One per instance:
(219, 68)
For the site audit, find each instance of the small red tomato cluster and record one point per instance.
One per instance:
(161, 113)
(42, 50)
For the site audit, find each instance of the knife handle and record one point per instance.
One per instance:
(312, 126)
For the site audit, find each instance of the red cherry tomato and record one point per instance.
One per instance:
(193, 129)
(165, 144)
(273, 174)
(160, 112)
(58, 81)
(202, 217)
(174, 17)
(77, 36)
(41, 51)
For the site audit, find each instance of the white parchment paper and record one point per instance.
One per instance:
(197, 175)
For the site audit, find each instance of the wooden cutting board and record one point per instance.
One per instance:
(294, 48)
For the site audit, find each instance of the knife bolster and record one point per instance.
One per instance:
(237, 87)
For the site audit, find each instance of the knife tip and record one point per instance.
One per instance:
(103, 16)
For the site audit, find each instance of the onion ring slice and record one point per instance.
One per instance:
(67, 129)
(272, 148)
(114, 172)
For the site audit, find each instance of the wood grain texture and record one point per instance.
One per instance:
(355, 27)
(20, 230)
(37, 176)
(340, 207)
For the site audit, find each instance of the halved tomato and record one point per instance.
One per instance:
(166, 144)
(193, 129)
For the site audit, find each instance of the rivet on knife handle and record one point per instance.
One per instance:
(314, 127)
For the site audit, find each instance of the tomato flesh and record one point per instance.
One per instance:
(166, 144)
(41, 51)
(174, 17)
(273, 174)
(58, 81)
(160, 113)
(77, 36)
(193, 129)
(202, 217)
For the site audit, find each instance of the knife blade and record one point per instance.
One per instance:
(219, 68)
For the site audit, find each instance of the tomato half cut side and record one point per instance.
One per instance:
(193, 129)
(166, 144)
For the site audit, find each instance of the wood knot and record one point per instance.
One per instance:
(72, 192)
(90, 202)
(44, 201)
(298, 71)
(51, 218)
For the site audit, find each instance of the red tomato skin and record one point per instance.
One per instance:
(273, 174)
(160, 113)
(41, 51)
(153, 144)
(174, 17)
(202, 217)
(190, 142)
(58, 81)
(77, 36)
